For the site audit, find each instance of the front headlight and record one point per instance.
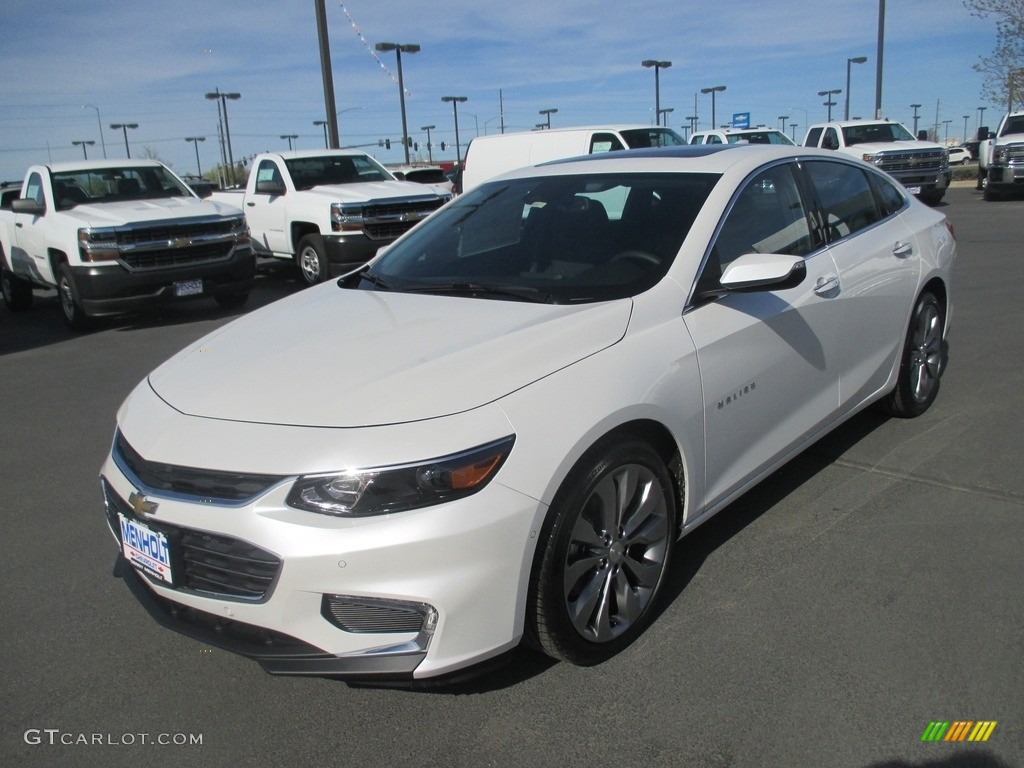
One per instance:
(381, 490)
(871, 157)
(99, 244)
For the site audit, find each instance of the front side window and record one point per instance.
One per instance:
(767, 216)
(604, 142)
(557, 239)
(268, 171)
(34, 189)
(847, 202)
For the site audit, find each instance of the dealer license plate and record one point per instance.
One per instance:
(914, 190)
(188, 288)
(146, 549)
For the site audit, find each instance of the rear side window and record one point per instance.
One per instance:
(811, 140)
(847, 200)
(889, 194)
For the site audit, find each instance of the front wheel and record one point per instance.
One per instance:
(312, 260)
(17, 292)
(921, 361)
(70, 306)
(603, 555)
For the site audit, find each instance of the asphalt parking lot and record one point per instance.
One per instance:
(869, 588)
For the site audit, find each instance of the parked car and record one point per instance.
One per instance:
(1001, 158)
(959, 156)
(431, 175)
(737, 135)
(489, 156)
(532, 396)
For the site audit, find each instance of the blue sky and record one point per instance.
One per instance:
(151, 63)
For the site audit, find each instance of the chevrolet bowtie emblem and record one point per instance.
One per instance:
(142, 506)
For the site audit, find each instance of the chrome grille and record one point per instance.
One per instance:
(926, 161)
(381, 616)
(387, 221)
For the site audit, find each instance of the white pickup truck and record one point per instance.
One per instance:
(329, 210)
(1001, 157)
(921, 166)
(114, 236)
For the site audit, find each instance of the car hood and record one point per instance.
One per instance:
(364, 191)
(874, 147)
(124, 212)
(330, 357)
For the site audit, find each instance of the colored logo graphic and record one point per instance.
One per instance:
(959, 730)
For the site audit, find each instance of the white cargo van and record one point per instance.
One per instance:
(489, 156)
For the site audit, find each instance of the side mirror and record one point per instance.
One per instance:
(270, 188)
(922, 135)
(983, 133)
(764, 272)
(28, 206)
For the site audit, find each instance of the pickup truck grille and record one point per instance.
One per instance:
(920, 162)
(167, 245)
(387, 221)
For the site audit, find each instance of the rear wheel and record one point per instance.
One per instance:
(921, 362)
(17, 292)
(70, 306)
(602, 560)
(312, 260)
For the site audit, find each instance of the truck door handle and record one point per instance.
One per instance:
(18, 224)
(902, 249)
(826, 285)
(251, 204)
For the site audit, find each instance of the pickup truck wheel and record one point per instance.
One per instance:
(312, 260)
(990, 194)
(17, 292)
(72, 310)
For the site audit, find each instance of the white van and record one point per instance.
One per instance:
(489, 156)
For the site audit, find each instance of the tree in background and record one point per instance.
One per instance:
(1004, 68)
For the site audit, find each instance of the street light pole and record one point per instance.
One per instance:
(915, 107)
(657, 66)
(981, 116)
(783, 118)
(455, 101)
(83, 143)
(223, 97)
(324, 124)
(830, 103)
(195, 141)
(124, 128)
(289, 136)
(713, 90)
(854, 60)
(965, 127)
(430, 147)
(398, 48)
(547, 113)
(666, 111)
(99, 124)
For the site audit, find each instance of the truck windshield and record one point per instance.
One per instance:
(1014, 125)
(864, 134)
(106, 185)
(558, 239)
(309, 172)
(641, 138)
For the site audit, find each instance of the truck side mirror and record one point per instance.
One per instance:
(270, 187)
(28, 205)
(922, 135)
(983, 133)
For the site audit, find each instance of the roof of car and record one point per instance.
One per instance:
(299, 154)
(91, 165)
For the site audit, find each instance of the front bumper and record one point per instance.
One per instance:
(349, 252)
(466, 560)
(108, 289)
(1005, 175)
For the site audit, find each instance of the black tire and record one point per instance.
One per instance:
(921, 361)
(231, 300)
(67, 295)
(990, 194)
(603, 553)
(312, 260)
(17, 291)
(933, 197)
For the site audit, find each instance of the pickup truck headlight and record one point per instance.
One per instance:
(999, 154)
(379, 491)
(98, 244)
(871, 157)
(346, 218)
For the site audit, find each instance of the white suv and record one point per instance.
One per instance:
(738, 135)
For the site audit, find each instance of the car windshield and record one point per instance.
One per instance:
(106, 185)
(865, 134)
(309, 172)
(641, 138)
(760, 137)
(556, 239)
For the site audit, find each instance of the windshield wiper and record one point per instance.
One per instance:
(375, 280)
(471, 288)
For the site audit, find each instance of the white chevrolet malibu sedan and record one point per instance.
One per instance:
(500, 428)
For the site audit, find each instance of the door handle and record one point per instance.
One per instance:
(902, 250)
(826, 285)
(251, 204)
